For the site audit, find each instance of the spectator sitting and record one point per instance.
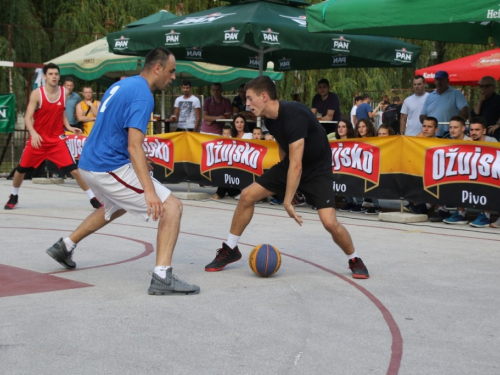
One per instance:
(214, 108)
(326, 105)
(240, 129)
(239, 104)
(345, 130)
(257, 134)
(385, 130)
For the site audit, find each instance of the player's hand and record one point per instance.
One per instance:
(291, 212)
(155, 206)
(36, 140)
(77, 131)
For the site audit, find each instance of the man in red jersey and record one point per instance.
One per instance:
(46, 107)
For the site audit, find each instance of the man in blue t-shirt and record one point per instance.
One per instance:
(113, 163)
(364, 110)
(72, 100)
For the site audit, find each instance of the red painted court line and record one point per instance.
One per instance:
(16, 281)
(148, 250)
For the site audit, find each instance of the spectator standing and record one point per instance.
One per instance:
(444, 103)
(214, 108)
(364, 110)
(326, 106)
(72, 99)
(409, 123)
(87, 109)
(187, 110)
(488, 106)
(357, 101)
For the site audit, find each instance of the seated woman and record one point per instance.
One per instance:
(365, 129)
(345, 130)
(385, 130)
(240, 128)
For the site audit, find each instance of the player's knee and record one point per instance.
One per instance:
(173, 205)
(246, 196)
(332, 225)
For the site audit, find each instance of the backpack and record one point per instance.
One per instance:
(391, 116)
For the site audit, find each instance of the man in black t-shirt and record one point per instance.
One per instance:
(306, 160)
(326, 106)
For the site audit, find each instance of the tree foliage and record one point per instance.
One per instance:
(44, 29)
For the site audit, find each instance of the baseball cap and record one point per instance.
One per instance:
(441, 74)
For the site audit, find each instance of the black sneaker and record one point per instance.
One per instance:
(60, 253)
(95, 203)
(11, 203)
(358, 209)
(419, 209)
(439, 216)
(358, 268)
(347, 207)
(373, 210)
(170, 284)
(225, 255)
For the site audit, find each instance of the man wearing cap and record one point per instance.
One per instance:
(444, 103)
(488, 106)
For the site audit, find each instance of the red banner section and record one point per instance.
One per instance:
(459, 173)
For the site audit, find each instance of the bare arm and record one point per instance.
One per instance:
(197, 123)
(422, 118)
(36, 139)
(140, 164)
(354, 120)
(402, 123)
(68, 127)
(328, 116)
(80, 114)
(296, 150)
(209, 118)
(176, 114)
(464, 112)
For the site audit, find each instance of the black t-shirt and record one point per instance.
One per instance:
(296, 121)
(331, 102)
(490, 109)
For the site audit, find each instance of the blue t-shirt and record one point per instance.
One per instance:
(71, 103)
(126, 104)
(444, 106)
(362, 111)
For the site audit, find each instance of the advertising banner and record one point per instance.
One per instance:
(437, 171)
(7, 113)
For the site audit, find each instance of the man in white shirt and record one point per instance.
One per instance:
(187, 110)
(412, 108)
(357, 101)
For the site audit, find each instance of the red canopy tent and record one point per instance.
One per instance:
(467, 71)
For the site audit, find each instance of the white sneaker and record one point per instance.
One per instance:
(237, 197)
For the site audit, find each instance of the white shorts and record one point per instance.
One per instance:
(121, 189)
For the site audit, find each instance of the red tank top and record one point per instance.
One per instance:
(48, 119)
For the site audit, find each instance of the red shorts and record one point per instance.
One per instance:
(58, 153)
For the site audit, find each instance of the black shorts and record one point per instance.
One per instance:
(318, 189)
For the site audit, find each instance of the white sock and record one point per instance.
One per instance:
(353, 255)
(461, 213)
(487, 214)
(14, 191)
(232, 240)
(70, 245)
(90, 193)
(162, 271)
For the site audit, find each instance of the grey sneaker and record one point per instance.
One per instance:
(170, 284)
(60, 253)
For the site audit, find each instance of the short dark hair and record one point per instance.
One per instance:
(216, 84)
(157, 56)
(50, 66)
(479, 120)
(396, 99)
(228, 127)
(433, 119)
(324, 81)
(357, 98)
(186, 82)
(389, 128)
(350, 129)
(419, 77)
(263, 84)
(68, 79)
(459, 119)
(365, 96)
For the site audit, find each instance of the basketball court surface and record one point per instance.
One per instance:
(431, 305)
